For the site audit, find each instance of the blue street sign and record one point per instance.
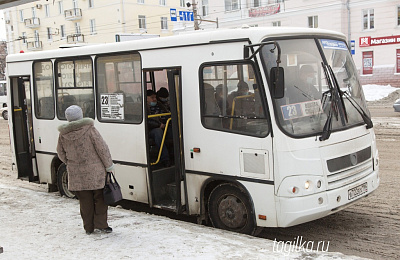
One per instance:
(173, 15)
(353, 47)
(186, 16)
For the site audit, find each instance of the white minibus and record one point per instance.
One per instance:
(268, 127)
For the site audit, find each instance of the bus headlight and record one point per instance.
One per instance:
(295, 186)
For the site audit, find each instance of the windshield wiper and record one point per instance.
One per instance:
(360, 110)
(337, 108)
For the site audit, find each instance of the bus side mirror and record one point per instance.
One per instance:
(277, 82)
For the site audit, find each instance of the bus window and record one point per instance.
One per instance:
(231, 100)
(75, 86)
(43, 89)
(119, 86)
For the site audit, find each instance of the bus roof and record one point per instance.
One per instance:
(256, 35)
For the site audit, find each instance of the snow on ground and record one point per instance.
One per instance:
(376, 92)
(35, 224)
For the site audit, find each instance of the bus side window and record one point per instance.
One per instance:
(236, 105)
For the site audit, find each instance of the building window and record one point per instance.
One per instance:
(142, 22)
(162, 2)
(256, 3)
(77, 28)
(24, 37)
(276, 23)
(91, 3)
(183, 3)
(205, 7)
(140, 1)
(60, 7)
(36, 33)
(368, 62)
(47, 10)
(231, 5)
(49, 34)
(92, 26)
(398, 16)
(62, 32)
(21, 15)
(368, 19)
(313, 21)
(164, 23)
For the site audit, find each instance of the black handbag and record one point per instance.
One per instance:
(112, 190)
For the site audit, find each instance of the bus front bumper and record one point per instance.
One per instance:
(298, 210)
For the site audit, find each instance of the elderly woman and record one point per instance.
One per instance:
(81, 147)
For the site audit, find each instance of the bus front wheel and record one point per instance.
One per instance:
(62, 182)
(229, 208)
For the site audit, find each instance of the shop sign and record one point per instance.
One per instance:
(369, 41)
(264, 11)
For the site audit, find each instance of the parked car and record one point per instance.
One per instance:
(396, 105)
(4, 113)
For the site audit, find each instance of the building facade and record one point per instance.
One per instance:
(371, 26)
(45, 25)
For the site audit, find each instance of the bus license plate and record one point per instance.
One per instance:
(357, 191)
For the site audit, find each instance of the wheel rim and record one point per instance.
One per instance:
(65, 185)
(232, 212)
(5, 115)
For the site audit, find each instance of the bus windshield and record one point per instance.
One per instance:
(322, 92)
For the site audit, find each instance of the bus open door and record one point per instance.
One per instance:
(21, 116)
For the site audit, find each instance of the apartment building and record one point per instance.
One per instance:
(45, 25)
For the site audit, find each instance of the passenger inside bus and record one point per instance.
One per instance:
(304, 88)
(163, 99)
(242, 90)
(156, 126)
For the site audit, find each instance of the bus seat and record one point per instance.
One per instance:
(46, 106)
(211, 107)
(88, 109)
(67, 101)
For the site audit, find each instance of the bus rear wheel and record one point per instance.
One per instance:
(62, 182)
(229, 208)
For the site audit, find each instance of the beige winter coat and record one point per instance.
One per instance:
(81, 147)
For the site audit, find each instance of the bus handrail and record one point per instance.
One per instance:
(164, 134)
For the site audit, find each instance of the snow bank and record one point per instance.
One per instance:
(376, 92)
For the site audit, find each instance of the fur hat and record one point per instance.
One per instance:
(73, 113)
